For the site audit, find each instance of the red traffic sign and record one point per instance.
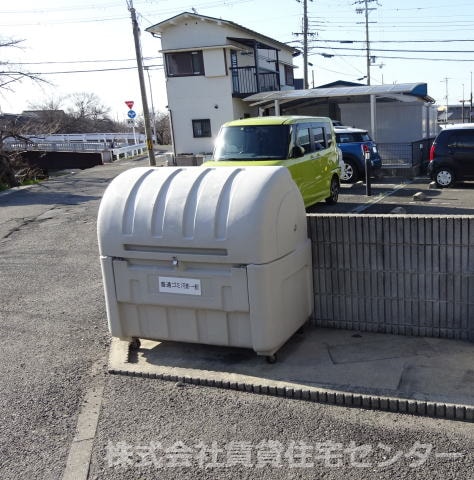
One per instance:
(129, 103)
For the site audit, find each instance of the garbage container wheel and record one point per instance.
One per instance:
(271, 358)
(135, 343)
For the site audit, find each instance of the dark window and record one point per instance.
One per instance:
(464, 139)
(184, 63)
(202, 128)
(289, 79)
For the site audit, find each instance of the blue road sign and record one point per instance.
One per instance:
(131, 114)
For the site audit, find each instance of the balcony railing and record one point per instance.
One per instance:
(244, 81)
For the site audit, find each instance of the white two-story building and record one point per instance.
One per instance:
(211, 64)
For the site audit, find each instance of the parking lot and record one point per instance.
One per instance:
(408, 196)
(56, 348)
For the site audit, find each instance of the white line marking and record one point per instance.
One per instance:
(78, 461)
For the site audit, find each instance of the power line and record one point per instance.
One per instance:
(396, 50)
(328, 55)
(397, 41)
(110, 60)
(157, 67)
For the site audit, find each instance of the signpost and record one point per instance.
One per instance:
(131, 117)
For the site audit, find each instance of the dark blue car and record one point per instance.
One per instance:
(354, 144)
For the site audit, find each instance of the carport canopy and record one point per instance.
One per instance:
(402, 92)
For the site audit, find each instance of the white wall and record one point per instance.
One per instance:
(208, 96)
(214, 62)
(193, 98)
(395, 122)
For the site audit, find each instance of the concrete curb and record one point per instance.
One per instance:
(119, 365)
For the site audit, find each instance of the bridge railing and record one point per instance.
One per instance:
(55, 146)
(108, 154)
(129, 151)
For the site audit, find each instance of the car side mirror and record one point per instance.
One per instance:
(297, 151)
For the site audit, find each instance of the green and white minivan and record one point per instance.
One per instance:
(305, 145)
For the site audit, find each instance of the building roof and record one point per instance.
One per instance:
(408, 92)
(263, 40)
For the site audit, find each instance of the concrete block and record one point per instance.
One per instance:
(450, 413)
(331, 398)
(469, 414)
(393, 404)
(314, 396)
(398, 211)
(421, 408)
(440, 410)
(459, 412)
(297, 393)
(419, 197)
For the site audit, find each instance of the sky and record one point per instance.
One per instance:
(79, 46)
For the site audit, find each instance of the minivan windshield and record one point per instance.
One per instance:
(256, 142)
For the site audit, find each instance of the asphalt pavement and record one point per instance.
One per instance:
(65, 416)
(391, 195)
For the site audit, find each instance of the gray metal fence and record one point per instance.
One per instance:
(409, 154)
(410, 275)
(395, 153)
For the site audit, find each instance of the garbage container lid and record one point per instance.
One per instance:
(238, 215)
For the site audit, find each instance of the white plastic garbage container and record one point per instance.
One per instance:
(217, 256)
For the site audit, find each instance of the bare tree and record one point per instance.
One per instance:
(10, 72)
(50, 115)
(86, 111)
(163, 131)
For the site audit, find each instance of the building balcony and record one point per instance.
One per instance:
(245, 81)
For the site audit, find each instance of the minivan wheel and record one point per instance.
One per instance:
(349, 172)
(334, 191)
(444, 177)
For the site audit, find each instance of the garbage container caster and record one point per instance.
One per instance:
(217, 256)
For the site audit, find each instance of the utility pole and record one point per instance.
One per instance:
(366, 10)
(146, 113)
(305, 34)
(305, 44)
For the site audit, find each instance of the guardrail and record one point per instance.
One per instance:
(128, 151)
(56, 146)
(108, 154)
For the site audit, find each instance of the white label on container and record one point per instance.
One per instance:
(186, 286)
